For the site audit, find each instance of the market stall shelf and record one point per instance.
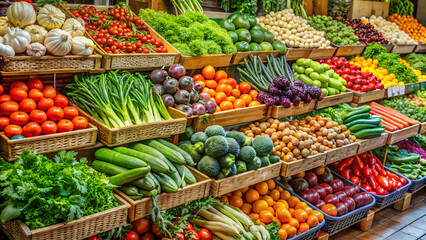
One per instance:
(304, 164)
(215, 60)
(422, 127)
(402, 134)
(77, 229)
(322, 53)
(420, 48)
(328, 101)
(360, 9)
(372, 143)
(281, 112)
(337, 154)
(296, 53)
(404, 49)
(343, 51)
(368, 96)
(388, 47)
(239, 57)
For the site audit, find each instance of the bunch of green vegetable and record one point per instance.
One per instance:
(401, 7)
(417, 61)
(242, 6)
(183, 6)
(43, 192)
(273, 6)
(390, 62)
(337, 32)
(419, 139)
(337, 113)
(192, 33)
(338, 8)
(403, 105)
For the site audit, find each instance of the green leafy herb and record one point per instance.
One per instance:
(273, 228)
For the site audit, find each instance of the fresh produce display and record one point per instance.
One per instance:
(320, 188)
(417, 98)
(247, 35)
(293, 30)
(338, 8)
(321, 74)
(418, 73)
(420, 139)
(417, 61)
(298, 139)
(412, 147)
(117, 30)
(392, 119)
(42, 192)
(191, 33)
(31, 109)
(368, 172)
(117, 99)
(267, 203)
(186, 6)
(365, 32)
(389, 30)
(371, 66)
(337, 32)
(410, 25)
(404, 107)
(401, 7)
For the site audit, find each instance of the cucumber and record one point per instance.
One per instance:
(357, 127)
(358, 110)
(136, 197)
(190, 149)
(373, 120)
(156, 164)
(186, 173)
(357, 116)
(167, 184)
(129, 190)
(169, 153)
(148, 193)
(368, 132)
(335, 84)
(108, 155)
(184, 154)
(146, 183)
(152, 151)
(129, 176)
(108, 168)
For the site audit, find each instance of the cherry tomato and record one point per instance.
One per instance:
(192, 234)
(60, 101)
(19, 118)
(12, 130)
(31, 129)
(19, 84)
(5, 98)
(34, 83)
(70, 112)
(55, 113)
(49, 92)
(45, 103)
(38, 116)
(204, 234)
(35, 94)
(94, 238)
(132, 235)
(188, 226)
(65, 125)
(18, 94)
(4, 121)
(8, 108)
(49, 127)
(179, 236)
(141, 225)
(27, 105)
(147, 236)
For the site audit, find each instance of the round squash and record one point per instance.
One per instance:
(74, 27)
(58, 42)
(37, 33)
(21, 14)
(50, 17)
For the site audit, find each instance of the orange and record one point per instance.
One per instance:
(236, 201)
(247, 99)
(224, 88)
(238, 103)
(282, 234)
(318, 214)
(220, 97)
(261, 223)
(224, 198)
(291, 210)
(237, 193)
(275, 194)
(212, 84)
(301, 205)
(244, 87)
(271, 184)
(278, 205)
(246, 208)
(266, 216)
(285, 204)
(231, 99)
(269, 200)
(271, 210)
(254, 216)
(308, 210)
(232, 82)
(302, 228)
(244, 189)
(259, 206)
(284, 195)
(226, 105)
(220, 75)
(285, 226)
(254, 103)
(202, 83)
(283, 214)
(312, 221)
(291, 232)
(262, 188)
(198, 77)
(252, 196)
(208, 72)
(294, 223)
(253, 94)
(280, 189)
(300, 215)
(293, 201)
(319, 170)
(236, 93)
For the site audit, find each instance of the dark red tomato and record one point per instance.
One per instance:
(19, 118)
(31, 129)
(147, 236)
(179, 236)
(45, 103)
(132, 235)
(141, 226)
(381, 191)
(156, 231)
(12, 130)
(5, 98)
(188, 227)
(34, 83)
(94, 238)
(38, 116)
(403, 180)
(4, 121)
(19, 84)
(204, 234)
(18, 94)
(60, 101)
(192, 234)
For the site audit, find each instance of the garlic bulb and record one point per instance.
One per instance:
(58, 42)
(18, 39)
(36, 49)
(5, 49)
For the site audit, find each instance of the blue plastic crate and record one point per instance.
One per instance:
(416, 184)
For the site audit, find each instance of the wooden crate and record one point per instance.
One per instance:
(360, 9)
(143, 207)
(296, 53)
(404, 49)
(304, 164)
(10, 149)
(372, 143)
(422, 127)
(231, 117)
(133, 133)
(366, 223)
(281, 112)
(230, 184)
(315, 7)
(137, 61)
(368, 96)
(216, 60)
(340, 153)
(322, 53)
(402, 134)
(77, 229)
(350, 50)
(328, 101)
(239, 57)
(411, 87)
(420, 48)
(388, 47)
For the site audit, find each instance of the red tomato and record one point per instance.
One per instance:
(204, 234)
(18, 94)
(12, 130)
(27, 105)
(45, 103)
(49, 127)
(35, 95)
(132, 235)
(65, 125)
(19, 84)
(55, 113)
(5, 98)
(192, 234)
(34, 83)
(80, 122)
(38, 116)
(70, 112)
(179, 236)
(8, 108)
(188, 227)
(147, 236)
(49, 92)
(19, 118)
(1, 89)
(94, 238)
(141, 225)
(60, 101)
(4, 121)
(32, 129)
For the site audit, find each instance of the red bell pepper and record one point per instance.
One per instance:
(383, 182)
(355, 180)
(358, 162)
(345, 164)
(367, 171)
(346, 173)
(373, 183)
(355, 170)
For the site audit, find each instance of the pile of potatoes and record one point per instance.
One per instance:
(389, 30)
(299, 139)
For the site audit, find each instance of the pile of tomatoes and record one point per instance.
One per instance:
(31, 109)
(117, 31)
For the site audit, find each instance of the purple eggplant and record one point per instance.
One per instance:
(168, 100)
(198, 87)
(176, 71)
(185, 109)
(198, 108)
(182, 96)
(210, 106)
(158, 76)
(186, 82)
(204, 96)
(171, 85)
(194, 97)
(158, 89)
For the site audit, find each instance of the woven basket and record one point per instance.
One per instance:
(417, 184)
(10, 149)
(78, 229)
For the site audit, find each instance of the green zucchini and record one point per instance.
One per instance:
(186, 173)
(358, 110)
(357, 127)
(169, 153)
(152, 151)
(156, 164)
(357, 116)
(191, 150)
(129, 190)
(372, 136)
(129, 176)
(167, 183)
(373, 120)
(367, 132)
(108, 168)
(148, 193)
(146, 183)
(108, 155)
(136, 197)
(188, 159)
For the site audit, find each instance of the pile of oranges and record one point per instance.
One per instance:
(370, 65)
(226, 92)
(418, 73)
(265, 203)
(409, 25)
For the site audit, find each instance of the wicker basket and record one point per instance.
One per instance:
(417, 184)
(78, 229)
(10, 149)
